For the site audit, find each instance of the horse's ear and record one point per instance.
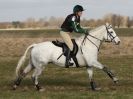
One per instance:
(110, 26)
(107, 24)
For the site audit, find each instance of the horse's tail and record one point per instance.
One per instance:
(22, 59)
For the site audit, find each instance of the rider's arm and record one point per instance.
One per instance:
(76, 27)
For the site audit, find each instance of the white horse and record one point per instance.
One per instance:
(43, 53)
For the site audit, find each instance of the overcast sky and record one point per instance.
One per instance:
(13, 10)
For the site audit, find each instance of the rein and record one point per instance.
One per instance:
(86, 37)
(98, 47)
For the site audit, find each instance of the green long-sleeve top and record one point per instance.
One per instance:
(72, 23)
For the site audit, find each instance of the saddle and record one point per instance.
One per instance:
(65, 50)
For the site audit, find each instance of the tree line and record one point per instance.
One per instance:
(117, 21)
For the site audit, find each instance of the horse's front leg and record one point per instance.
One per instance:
(106, 70)
(110, 74)
(92, 82)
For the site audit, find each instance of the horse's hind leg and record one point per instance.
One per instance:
(23, 73)
(37, 72)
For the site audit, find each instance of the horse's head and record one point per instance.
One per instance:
(110, 35)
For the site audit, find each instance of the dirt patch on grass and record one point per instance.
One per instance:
(17, 46)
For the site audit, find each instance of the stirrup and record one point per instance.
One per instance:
(68, 64)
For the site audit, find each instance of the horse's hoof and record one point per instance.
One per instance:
(116, 81)
(41, 90)
(94, 87)
(14, 87)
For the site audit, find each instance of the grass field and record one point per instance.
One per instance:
(70, 83)
(61, 83)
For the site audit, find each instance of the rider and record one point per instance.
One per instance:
(72, 23)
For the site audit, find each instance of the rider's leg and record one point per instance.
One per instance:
(68, 63)
(67, 39)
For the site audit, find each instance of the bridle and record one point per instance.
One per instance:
(109, 34)
(98, 47)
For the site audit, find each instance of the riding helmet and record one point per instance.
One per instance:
(78, 8)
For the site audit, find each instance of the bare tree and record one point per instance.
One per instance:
(41, 22)
(84, 22)
(16, 24)
(59, 21)
(119, 20)
(30, 23)
(4, 25)
(52, 21)
(107, 18)
(99, 22)
(132, 21)
(115, 20)
(128, 22)
(92, 23)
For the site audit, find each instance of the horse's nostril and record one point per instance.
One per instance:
(118, 42)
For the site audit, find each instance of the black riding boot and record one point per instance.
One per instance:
(67, 64)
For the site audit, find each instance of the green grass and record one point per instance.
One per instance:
(52, 33)
(124, 32)
(72, 83)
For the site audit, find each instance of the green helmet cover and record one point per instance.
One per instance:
(78, 8)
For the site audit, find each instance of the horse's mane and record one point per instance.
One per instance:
(92, 31)
(96, 29)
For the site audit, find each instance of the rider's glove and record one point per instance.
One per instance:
(86, 32)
